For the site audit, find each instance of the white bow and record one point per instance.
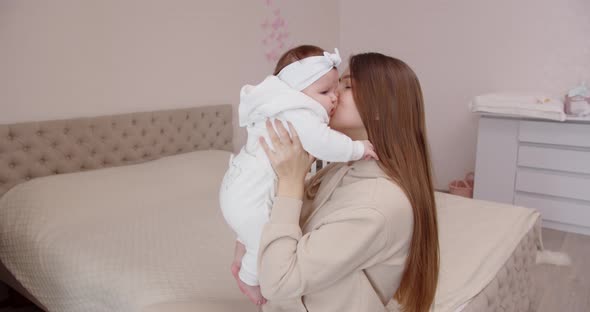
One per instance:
(301, 74)
(333, 57)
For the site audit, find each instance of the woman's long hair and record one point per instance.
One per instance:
(389, 99)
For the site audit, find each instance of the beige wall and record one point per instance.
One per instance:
(69, 58)
(461, 48)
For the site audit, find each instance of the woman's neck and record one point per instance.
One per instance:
(357, 134)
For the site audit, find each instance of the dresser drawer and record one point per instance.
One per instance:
(577, 161)
(555, 133)
(555, 209)
(553, 183)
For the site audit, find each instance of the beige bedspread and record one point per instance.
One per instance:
(123, 238)
(476, 239)
(150, 237)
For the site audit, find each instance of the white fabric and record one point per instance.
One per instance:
(272, 98)
(519, 106)
(245, 198)
(248, 186)
(123, 238)
(302, 73)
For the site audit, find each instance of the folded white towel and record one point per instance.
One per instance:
(541, 107)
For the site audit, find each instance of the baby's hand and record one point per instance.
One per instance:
(369, 150)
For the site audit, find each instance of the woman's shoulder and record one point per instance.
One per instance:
(390, 197)
(378, 193)
(386, 189)
(384, 194)
(371, 180)
(391, 202)
(377, 199)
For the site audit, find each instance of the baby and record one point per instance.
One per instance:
(303, 92)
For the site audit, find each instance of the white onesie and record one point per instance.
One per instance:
(248, 187)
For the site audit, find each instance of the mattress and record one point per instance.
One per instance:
(139, 238)
(487, 252)
(7, 278)
(512, 288)
(122, 238)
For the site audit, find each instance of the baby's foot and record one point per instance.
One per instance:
(253, 292)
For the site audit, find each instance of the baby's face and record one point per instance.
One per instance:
(324, 91)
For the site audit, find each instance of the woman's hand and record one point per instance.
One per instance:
(289, 160)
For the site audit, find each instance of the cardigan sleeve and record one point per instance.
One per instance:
(292, 265)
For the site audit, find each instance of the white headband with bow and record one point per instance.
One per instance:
(301, 74)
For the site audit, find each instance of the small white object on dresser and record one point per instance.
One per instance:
(539, 164)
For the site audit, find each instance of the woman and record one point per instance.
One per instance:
(360, 233)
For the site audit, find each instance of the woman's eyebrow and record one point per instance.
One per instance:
(345, 77)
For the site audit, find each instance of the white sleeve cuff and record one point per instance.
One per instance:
(358, 150)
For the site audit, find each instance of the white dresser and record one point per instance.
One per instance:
(539, 164)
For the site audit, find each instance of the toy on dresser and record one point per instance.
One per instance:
(577, 101)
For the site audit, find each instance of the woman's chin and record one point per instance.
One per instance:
(333, 126)
(337, 128)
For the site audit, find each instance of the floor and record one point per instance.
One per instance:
(562, 289)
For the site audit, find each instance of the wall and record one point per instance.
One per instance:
(69, 58)
(462, 48)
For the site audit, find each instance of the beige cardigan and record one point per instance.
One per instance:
(348, 255)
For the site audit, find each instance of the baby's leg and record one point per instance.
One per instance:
(249, 271)
(246, 209)
(248, 280)
(250, 233)
(239, 252)
(253, 292)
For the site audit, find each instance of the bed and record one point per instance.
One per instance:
(120, 213)
(73, 238)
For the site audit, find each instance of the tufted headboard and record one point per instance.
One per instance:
(36, 149)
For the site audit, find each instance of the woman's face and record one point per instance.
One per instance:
(346, 117)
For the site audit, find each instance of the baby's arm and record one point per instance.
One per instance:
(324, 143)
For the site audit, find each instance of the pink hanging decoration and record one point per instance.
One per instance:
(275, 35)
(278, 23)
(282, 36)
